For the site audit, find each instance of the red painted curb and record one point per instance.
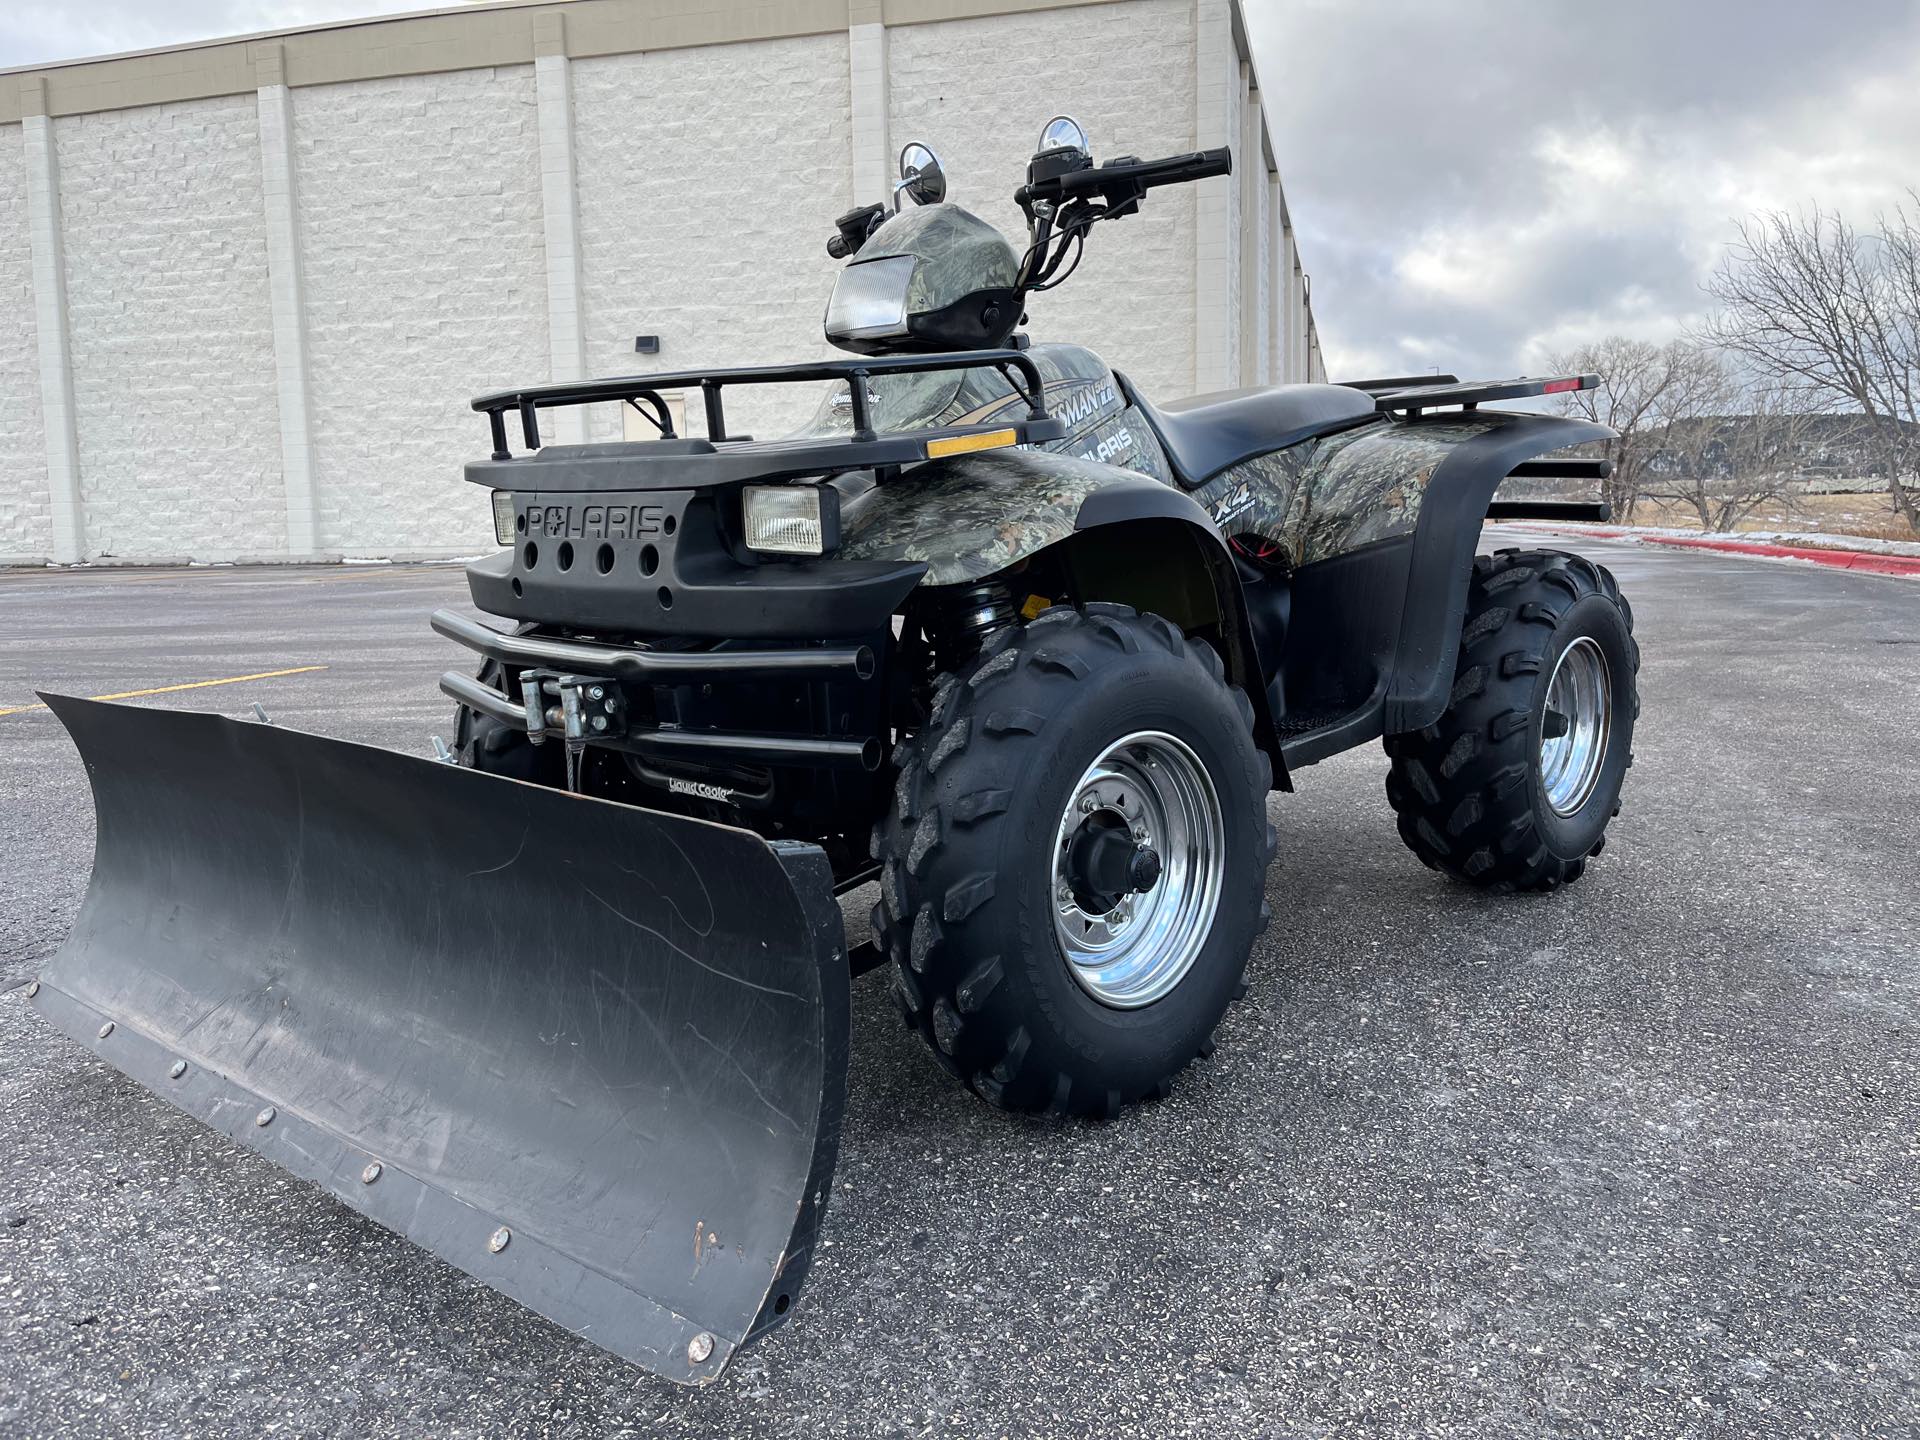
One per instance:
(1867, 561)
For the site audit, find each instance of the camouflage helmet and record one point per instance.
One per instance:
(932, 278)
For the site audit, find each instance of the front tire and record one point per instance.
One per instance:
(483, 743)
(1513, 786)
(1018, 900)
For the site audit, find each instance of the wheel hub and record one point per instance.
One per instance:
(1105, 863)
(1576, 726)
(1137, 865)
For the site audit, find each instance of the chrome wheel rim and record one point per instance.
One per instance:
(1580, 708)
(1133, 950)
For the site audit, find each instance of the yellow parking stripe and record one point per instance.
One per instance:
(190, 685)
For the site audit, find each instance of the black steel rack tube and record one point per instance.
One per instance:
(825, 662)
(856, 372)
(707, 745)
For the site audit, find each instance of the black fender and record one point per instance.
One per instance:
(1446, 535)
(1126, 508)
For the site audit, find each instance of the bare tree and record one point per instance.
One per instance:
(1809, 301)
(1644, 388)
(1742, 444)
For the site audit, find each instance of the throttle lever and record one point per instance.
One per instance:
(854, 227)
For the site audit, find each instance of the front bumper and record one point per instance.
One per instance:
(580, 692)
(658, 563)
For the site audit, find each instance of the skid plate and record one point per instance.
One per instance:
(593, 1055)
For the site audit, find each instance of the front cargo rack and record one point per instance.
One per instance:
(643, 393)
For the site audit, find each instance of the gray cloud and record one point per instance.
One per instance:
(40, 32)
(1476, 183)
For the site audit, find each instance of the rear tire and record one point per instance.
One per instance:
(979, 910)
(1489, 793)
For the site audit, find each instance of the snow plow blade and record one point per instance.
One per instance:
(595, 1056)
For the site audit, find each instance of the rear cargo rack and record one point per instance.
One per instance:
(644, 391)
(1400, 382)
(1434, 392)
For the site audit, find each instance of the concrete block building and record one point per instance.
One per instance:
(248, 287)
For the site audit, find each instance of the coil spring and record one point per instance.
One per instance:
(967, 619)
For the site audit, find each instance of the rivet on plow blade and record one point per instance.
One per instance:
(106, 1030)
(370, 1174)
(699, 1348)
(33, 988)
(499, 1240)
(177, 1069)
(330, 929)
(265, 1117)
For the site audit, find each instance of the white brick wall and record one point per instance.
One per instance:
(874, 154)
(417, 258)
(709, 183)
(566, 341)
(1250, 165)
(173, 377)
(425, 273)
(1216, 202)
(1126, 73)
(26, 527)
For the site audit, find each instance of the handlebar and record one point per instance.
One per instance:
(1126, 178)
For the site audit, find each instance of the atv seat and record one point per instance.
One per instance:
(1204, 434)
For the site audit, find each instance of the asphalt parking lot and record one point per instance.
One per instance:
(1640, 1158)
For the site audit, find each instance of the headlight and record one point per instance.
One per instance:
(503, 516)
(870, 300)
(792, 519)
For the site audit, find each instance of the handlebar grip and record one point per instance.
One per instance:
(1137, 174)
(1184, 169)
(1211, 163)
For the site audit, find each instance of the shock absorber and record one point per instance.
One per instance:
(967, 618)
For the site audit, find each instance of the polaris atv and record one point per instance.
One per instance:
(994, 628)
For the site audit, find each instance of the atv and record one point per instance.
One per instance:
(994, 629)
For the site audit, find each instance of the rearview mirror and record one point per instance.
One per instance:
(921, 178)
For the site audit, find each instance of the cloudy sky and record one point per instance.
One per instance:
(1476, 183)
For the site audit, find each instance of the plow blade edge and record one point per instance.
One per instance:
(595, 1056)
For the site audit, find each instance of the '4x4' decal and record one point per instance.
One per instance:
(1232, 503)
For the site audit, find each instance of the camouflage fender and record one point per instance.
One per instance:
(1328, 497)
(973, 515)
(1325, 497)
